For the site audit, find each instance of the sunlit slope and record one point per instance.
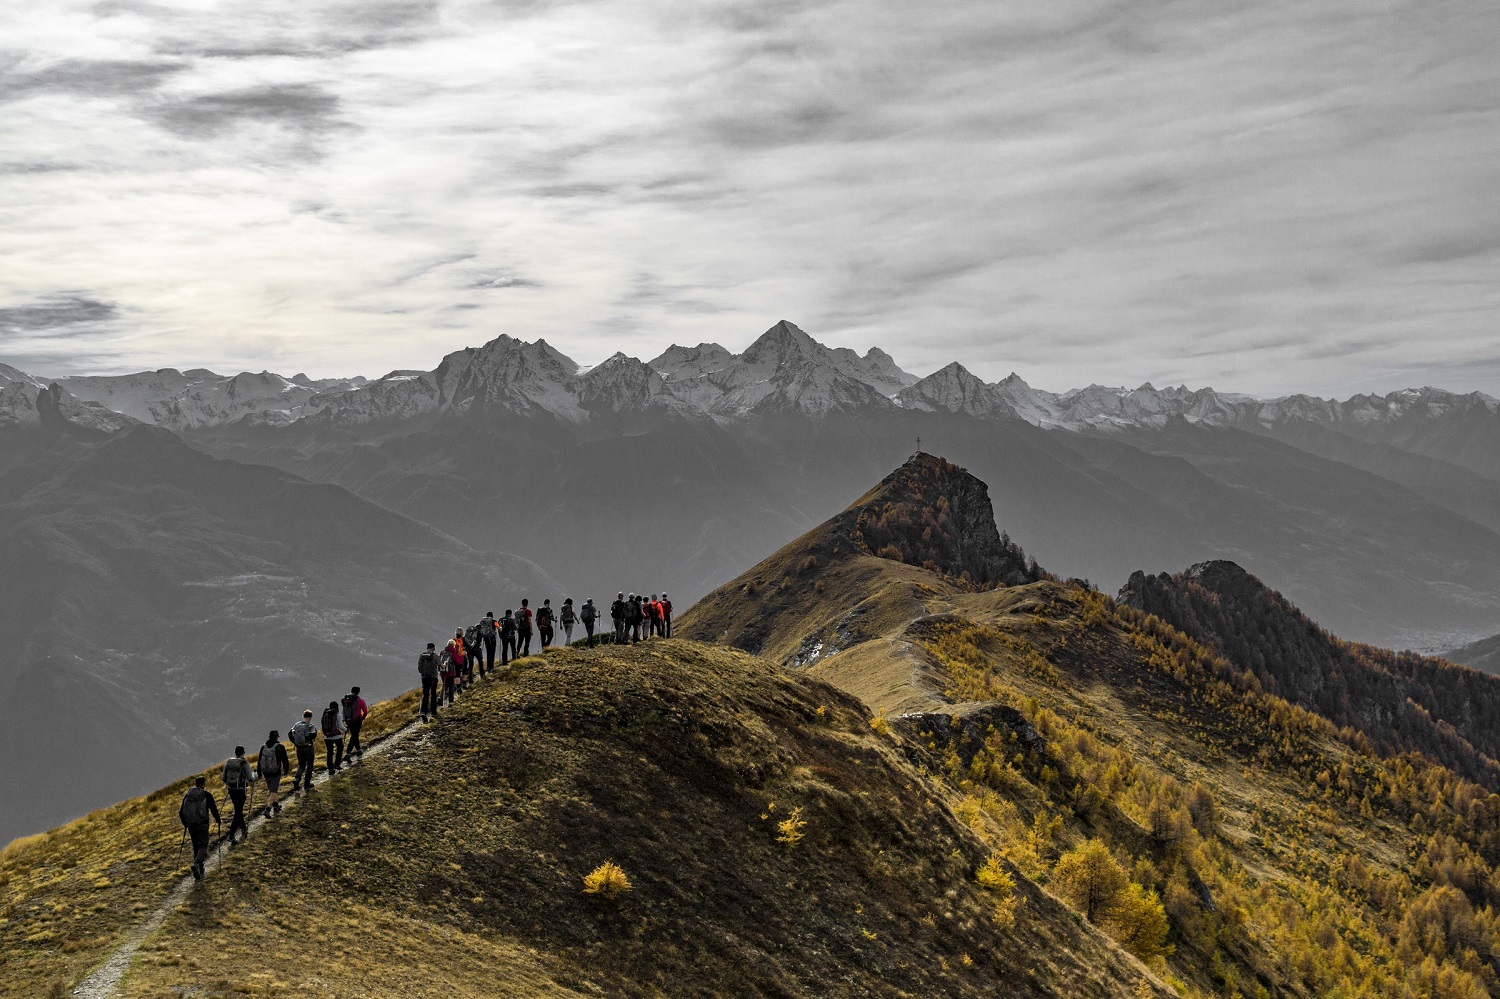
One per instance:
(456, 866)
(1289, 856)
(69, 894)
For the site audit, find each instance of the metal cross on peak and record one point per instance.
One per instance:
(919, 445)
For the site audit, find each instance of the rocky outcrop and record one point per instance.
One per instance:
(931, 513)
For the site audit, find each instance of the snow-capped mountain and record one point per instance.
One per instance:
(784, 370)
(29, 402)
(955, 389)
(197, 398)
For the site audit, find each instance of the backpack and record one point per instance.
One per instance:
(427, 664)
(471, 637)
(508, 626)
(544, 617)
(330, 723)
(236, 773)
(523, 620)
(268, 763)
(588, 613)
(617, 610)
(350, 701)
(487, 628)
(302, 734)
(568, 617)
(194, 811)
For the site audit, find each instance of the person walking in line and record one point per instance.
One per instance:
(270, 765)
(507, 637)
(617, 617)
(568, 617)
(427, 668)
(304, 736)
(633, 618)
(197, 806)
(488, 632)
(355, 713)
(471, 653)
(523, 629)
(666, 616)
(333, 739)
(588, 614)
(237, 780)
(544, 626)
(451, 662)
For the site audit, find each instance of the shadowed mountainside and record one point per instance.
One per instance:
(1400, 701)
(160, 605)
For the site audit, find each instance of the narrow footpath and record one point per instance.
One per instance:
(105, 980)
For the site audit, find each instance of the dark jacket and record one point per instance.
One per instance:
(427, 663)
(194, 793)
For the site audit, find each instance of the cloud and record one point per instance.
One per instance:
(58, 315)
(301, 107)
(1266, 198)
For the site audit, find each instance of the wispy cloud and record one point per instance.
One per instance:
(1265, 198)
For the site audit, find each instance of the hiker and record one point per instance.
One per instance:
(617, 616)
(650, 609)
(488, 631)
(237, 780)
(507, 637)
(633, 618)
(304, 735)
(451, 663)
(333, 738)
(270, 765)
(544, 623)
(523, 629)
(355, 713)
(588, 615)
(427, 666)
(197, 806)
(471, 653)
(666, 616)
(568, 619)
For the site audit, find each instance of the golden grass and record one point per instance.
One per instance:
(69, 894)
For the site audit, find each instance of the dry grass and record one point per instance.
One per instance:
(70, 893)
(469, 845)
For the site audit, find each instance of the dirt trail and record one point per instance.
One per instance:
(106, 978)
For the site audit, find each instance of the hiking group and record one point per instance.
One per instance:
(339, 729)
(445, 675)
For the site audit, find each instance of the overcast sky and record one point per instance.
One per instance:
(1264, 197)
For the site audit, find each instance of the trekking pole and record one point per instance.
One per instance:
(180, 844)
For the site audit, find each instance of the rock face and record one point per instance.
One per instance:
(931, 513)
(966, 727)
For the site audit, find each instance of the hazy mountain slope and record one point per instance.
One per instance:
(1463, 430)
(455, 864)
(164, 604)
(1360, 553)
(1483, 654)
(1399, 701)
(1290, 859)
(1454, 487)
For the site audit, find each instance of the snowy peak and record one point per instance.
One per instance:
(955, 389)
(680, 363)
(508, 374)
(27, 403)
(623, 384)
(197, 398)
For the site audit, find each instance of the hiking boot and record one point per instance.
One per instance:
(276, 809)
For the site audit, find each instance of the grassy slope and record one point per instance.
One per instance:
(455, 867)
(1288, 789)
(70, 893)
